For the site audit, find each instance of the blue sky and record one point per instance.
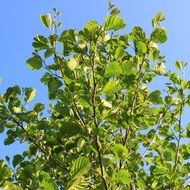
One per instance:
(20, 22)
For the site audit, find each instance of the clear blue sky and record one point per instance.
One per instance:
(20, 22)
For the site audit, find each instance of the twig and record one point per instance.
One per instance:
(152, 140)
(94, 90)
(179, 138)
(37, 145)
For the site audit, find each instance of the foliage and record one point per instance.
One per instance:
(105, 128)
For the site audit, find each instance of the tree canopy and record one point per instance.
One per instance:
(104, 128)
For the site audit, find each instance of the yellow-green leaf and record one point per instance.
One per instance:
(46, 20)
(114, 22)
(30, 94)
(72, 64)
(113, 69)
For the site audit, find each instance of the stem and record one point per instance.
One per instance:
(179, 137)
(133, 101)
(94, 90)
(152, 140)
(128, 131)
(82, 122)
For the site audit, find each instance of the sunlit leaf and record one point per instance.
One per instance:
(114, 23)
(46, 20)
(159, 17)
(30, 94)
(123, 176)
(34, 63)
(111, 87)
(159, 35)
(80, 167)
(72, 64)
(113, 69)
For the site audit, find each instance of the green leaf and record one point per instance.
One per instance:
(70, 129)
(111, 87)
(38, 107)
(40, 43)
(184, 84)
(115, 11)
(141, 47)
(29, 94)
(174, 77)
(158, 19)
(179, 65)
(34, 63)
(188, 130)
(120, 151)
(119, 53)
(128, 68)
(79, 167)
(53, 85)
(80, 183)
(159, 35)
(5, 173)
(113, 69)
(155, 97)
(49, 52)
(114, 23)
(46, 182)
(17, 159)
(141, 184)
(84, 102)
(9, 140)
(167, 155)
(67, 35)
(92, 26)
(123, 176)
(2, 127)
(138, 34)
(154, 53)
(46, 20)
(188, 99)
(10, 186)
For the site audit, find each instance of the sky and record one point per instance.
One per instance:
(20, 23)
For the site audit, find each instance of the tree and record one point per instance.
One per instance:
(105, 128)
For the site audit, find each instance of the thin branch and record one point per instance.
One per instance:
(37, 145)
(46, 67)
(127, 133)
(179, 137)
(152, 140)
(94, 91)
(82, 122)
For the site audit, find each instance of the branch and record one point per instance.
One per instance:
(32, 140)
(94, 90)
(152, 140)
(179, 137)
(82, 122)
(127, 133)
(45, 66)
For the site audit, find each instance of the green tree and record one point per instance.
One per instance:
(105, 128)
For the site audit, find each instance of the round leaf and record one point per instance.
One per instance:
(159, 35)
(34, 63)
(114, 23)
